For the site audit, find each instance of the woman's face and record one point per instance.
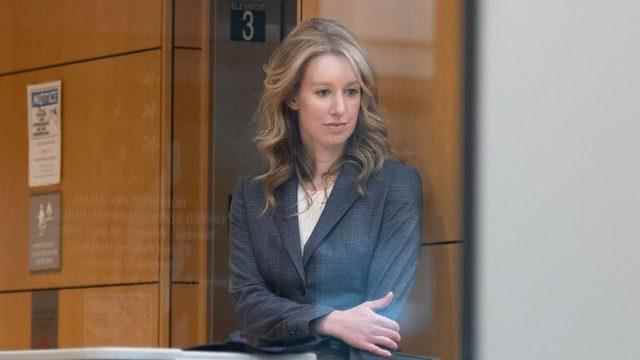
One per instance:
(327, 102)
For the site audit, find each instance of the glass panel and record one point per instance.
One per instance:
(414, 46)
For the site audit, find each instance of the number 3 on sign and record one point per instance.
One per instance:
(247, 24)
(247, 28)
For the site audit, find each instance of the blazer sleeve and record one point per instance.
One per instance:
(394, 263)
(264, 316)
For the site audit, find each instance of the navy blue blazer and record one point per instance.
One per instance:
(361, 248)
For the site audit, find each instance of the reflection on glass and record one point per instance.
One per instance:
(414, 47)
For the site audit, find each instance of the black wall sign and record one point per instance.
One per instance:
(248, 21)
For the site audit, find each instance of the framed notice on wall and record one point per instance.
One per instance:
(44, 111)
(45, 223)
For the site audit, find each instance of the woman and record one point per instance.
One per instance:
(325, 242)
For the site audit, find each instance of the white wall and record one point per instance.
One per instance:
(558, 187)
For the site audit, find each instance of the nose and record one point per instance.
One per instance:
(339, 105)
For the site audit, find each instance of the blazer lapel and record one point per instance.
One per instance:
(287, 221)
(342, 197)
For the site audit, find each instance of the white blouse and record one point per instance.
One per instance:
(309, 214)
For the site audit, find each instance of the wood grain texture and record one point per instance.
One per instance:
(448, 176)
(190, 167)
(109, 316)
(15, 320)
(36, 33)
(308, 8)
(190, 18)
(165, 176)
(187, 326)
(110, 173)
(430, 324)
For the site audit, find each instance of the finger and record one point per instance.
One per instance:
(381, 303)
(385, 322)
(385, 342)
(391, 334)
(376, 350)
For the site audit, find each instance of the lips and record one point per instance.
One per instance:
(336, 125)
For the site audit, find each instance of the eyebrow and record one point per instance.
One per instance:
(322, 83)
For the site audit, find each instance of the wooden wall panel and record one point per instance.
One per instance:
(190, 167)
(430, 325)
(191, 180)
(36, 33)
(444, 151)
(190, 17)
(15, 321)
(308, 8)
(165, 176)
(13, 183)
(187, 324)
(115, 60)
(109, 316)
(110, 173)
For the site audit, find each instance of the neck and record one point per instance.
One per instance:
(322, 161)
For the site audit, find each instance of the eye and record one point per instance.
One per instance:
(323, 92)
(353, 92)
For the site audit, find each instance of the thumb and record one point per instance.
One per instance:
(381, 303)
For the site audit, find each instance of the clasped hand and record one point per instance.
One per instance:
(362, 328)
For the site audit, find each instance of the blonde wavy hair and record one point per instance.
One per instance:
(278, 137)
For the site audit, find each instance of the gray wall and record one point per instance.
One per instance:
(558, 206)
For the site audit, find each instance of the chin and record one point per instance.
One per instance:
(335, 143)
